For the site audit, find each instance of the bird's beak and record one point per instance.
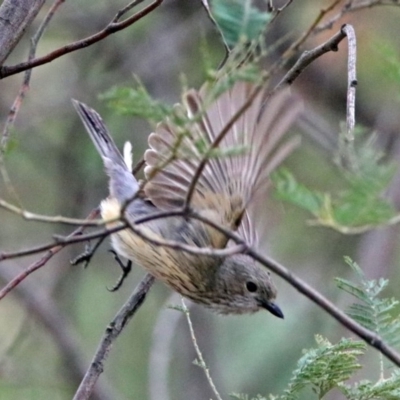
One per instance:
(272, 308)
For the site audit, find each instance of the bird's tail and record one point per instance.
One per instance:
(123, 185)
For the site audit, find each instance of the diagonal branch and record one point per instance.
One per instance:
(112, 332)
(111, 28)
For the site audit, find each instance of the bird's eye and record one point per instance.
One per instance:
(251, 287)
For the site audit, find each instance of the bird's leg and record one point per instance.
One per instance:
(126, 268)
(87, 255)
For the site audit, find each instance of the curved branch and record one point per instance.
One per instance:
(111, 28)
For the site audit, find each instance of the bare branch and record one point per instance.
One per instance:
(368, 336)
(15, 17)
(53, 219)
(111, 334)
(309, 56)
(200, 360)
(352, 6)
(111, 28)
(298, 43)
(206, 251)
(38, 264)
(27, 77)
(53, 318)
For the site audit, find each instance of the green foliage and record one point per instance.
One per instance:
(239, 396)
(321, 369)
(324, 367)
(389, 62)
(372, 312)
(384, 389)
(330, 366)
(136, 101)
(239, 20)
(359, 206)
(290, 190)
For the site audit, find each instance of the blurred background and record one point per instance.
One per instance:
(51, 325)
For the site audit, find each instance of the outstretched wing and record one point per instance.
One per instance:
(234, 176)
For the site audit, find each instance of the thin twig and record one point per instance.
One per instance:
(206, 251)
(12, 115)
(352, 6)
(277, 10)
(297, 44)
(61, 240)
(123, 224)
(69, 342)
(27, 77)
(38, 264)
(127, 8)
(200, 357)
(57, 219)
(111, 28)
(112, 332)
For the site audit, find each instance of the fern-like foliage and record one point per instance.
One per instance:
(321, 369)
(324, 367)
(359, 206)
(384, 389)
(371, 311)
(137, 102)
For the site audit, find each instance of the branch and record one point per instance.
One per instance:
(53, 219)
(206, 251)
(27, 77)
(309, 56)
(124, 223)
(61, 240)
(200, 360)
(68, 341)
(40, 263)
(111, 28)
(352, 6)
(297, 44)
(111, 334)
(15, 17)
(368, 336)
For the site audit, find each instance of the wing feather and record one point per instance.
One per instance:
(230, 182)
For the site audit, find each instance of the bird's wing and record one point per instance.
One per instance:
(239, 170)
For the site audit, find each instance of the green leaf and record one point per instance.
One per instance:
(373, 312)
(239, 20)
(384, 389)
(289, 189)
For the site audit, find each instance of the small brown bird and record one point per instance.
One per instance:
(231, 184)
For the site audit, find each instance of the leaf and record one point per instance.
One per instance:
(239, 20)
(325, 367)
(136, 101)
(372, 312)
(289, 189)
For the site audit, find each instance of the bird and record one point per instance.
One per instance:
(235, 178)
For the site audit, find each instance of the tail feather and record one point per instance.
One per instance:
(123, 184)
